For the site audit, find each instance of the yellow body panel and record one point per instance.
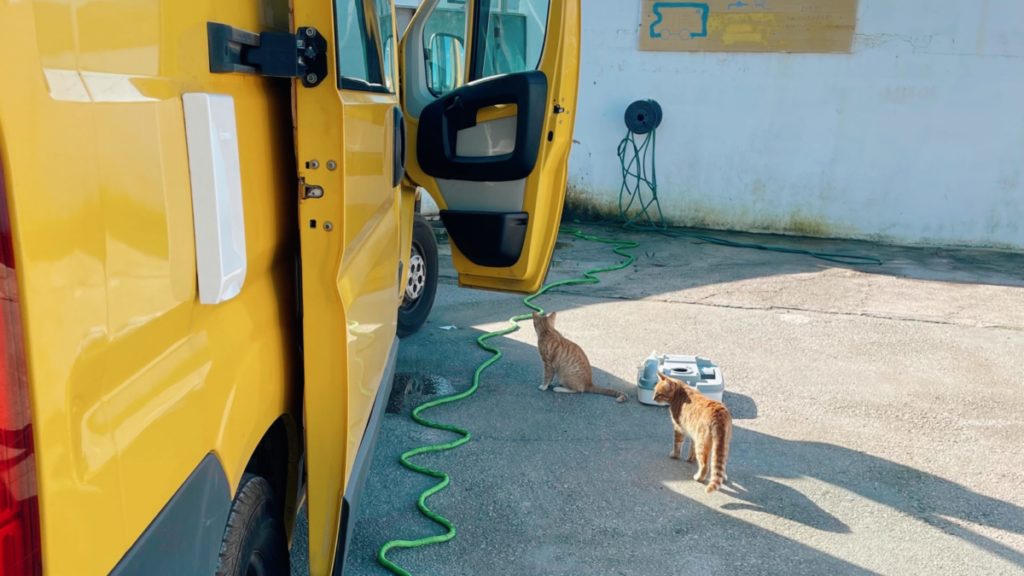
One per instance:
(134, 382)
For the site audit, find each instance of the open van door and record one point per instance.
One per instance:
(491, 99)
(489, 95)
(349, 149)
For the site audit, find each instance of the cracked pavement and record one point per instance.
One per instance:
(877, 413)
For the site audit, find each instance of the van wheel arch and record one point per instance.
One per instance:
(273, 460)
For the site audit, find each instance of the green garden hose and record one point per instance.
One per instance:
(588, 277)
(639, 210)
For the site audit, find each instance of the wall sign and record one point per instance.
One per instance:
(808, 26)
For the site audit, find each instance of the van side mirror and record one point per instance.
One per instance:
(445, 70)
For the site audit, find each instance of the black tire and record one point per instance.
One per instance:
(254, 542)
(422, 285)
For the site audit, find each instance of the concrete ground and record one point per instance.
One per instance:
(878, 417)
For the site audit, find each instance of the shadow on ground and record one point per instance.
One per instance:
(565, 484)
(958, 265)
(917, 283)
(557, 484)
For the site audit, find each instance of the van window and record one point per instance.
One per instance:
(444, 41)
(385, 18)
(363, 61)
(509, 36)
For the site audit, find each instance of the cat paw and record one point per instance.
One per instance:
(542, 387)
(691, 459)
(698, 476)
(674, 455)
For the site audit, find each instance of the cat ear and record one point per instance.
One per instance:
(551, 316)
(673, 384)
(535, 315)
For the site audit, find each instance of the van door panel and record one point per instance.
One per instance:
(349, 236)
(490, 102)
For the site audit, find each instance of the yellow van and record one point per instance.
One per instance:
(207, 213)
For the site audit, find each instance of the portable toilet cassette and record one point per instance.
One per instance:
(697, 372)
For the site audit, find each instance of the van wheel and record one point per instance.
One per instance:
(254, 542)
(422, 285)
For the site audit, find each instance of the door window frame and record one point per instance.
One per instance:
(369, 30)
(481, 19)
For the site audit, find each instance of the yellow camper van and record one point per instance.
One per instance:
(208, 248)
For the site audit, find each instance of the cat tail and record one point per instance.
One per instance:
(619, 396)
(719, 455)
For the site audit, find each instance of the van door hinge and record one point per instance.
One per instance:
(301, 55)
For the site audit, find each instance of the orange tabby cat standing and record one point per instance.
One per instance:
(566, 361)
(707, 423)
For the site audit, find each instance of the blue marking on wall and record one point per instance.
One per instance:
(705, 10)
(738, 4)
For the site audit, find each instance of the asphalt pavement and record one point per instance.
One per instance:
(877, 412)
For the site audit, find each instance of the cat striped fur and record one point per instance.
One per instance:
(707, 423)
(565, 361)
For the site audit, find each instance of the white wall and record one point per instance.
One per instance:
(916, 137)
(404, 9)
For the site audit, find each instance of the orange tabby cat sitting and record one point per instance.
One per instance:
(706, 422)
(566, 361)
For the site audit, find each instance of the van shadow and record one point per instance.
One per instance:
(573, 455)
(513, 411)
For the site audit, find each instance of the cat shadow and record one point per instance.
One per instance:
(761, 494)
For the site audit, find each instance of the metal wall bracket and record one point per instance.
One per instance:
(301, 55)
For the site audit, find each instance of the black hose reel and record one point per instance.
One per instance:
(638, 195)
(643, 116)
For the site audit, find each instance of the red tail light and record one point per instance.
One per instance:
(20, 550)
